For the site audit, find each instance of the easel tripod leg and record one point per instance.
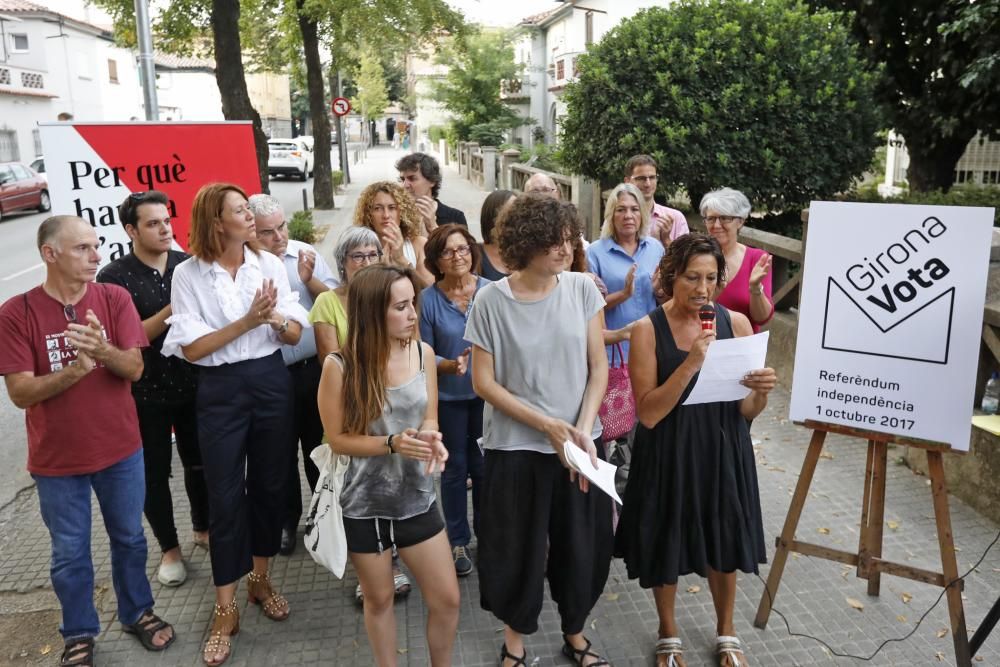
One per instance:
(876, 513)
(949, 565)
(788, 532)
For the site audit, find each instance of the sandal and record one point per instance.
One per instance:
(670, 647)
(579, 655)
(145, 630)
(78, 653)
(506, 655)
(225, 624)
(732, 649)
(259, 591)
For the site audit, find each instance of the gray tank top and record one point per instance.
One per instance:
(391, 486)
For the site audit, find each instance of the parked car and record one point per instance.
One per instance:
(289, 157)
(21, 188)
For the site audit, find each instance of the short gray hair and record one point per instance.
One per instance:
(264, 205)
(353, 237)
(727, 202)
(48, 231)
(608, 228)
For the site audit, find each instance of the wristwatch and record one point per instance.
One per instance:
(388, 443)
(284, 326)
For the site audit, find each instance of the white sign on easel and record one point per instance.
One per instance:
(890, 318)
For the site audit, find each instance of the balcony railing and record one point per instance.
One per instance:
(18, 80)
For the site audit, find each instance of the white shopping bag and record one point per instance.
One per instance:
(324, 537)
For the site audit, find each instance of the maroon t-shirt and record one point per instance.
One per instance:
(92, 425)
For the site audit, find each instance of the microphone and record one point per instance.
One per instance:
(707, 316)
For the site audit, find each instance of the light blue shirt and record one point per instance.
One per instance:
(306, 347)
(442, 326)
(611, 263)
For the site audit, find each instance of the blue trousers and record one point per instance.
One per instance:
(65, 506)
(461, 424)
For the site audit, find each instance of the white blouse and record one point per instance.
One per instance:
(204, 298)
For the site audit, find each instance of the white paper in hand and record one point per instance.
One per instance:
(726, 362)
(603, 477)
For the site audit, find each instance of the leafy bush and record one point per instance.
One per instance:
(300, 227)
(338, 179)
(762, 96)
(489, 134)
(959, 195)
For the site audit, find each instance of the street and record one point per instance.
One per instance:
(20, 270)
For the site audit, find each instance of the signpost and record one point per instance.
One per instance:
(93, 167)
(341, 106)
(887, 349)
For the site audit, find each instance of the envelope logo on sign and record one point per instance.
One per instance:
(921, 335)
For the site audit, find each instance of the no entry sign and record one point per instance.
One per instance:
(341, 106)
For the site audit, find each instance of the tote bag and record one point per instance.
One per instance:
(617, 411)
(324, 537)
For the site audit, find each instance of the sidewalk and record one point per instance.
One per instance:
(380, 165)
(326, 628)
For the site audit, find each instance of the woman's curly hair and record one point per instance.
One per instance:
(680, 252)
(409, 218)
(532, 225)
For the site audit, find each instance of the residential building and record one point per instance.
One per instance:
(422, 73)
(548, 51)
(52, 65)
(979, 165)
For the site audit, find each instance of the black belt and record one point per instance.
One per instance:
(302, 364)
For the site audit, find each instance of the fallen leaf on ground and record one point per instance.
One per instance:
(694, 589)
(906, 597)
(46, 650)
(826, 455)
(776, 469)
(940, 656)
(893, 525)
(611, 596)
(857, 604)
(402, 651)
(901, 618)
(823, 531)
(941, 633)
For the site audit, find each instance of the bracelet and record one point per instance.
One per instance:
(388, 443)
(758, 291)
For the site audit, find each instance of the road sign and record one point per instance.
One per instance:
(341, 106)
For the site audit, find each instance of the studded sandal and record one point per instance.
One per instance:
(259, 591)
(225, 624)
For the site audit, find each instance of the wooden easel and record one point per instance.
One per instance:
(868, 559)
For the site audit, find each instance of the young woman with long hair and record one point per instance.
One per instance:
(378, 402)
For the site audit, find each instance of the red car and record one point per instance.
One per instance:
(21, 188)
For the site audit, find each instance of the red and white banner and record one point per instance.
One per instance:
(93, 167)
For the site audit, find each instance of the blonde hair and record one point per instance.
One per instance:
(608, 228)
(409, 218)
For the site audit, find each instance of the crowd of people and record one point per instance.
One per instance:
(424, 351)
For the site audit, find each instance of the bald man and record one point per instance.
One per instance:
(72, 349)
(542, 184)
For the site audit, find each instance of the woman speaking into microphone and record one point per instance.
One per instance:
(691, 503)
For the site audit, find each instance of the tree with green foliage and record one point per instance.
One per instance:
(372, 92)
(940, 75)
(344, 27)
(477, 63)
(761, 96)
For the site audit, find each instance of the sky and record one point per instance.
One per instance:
(501, 12)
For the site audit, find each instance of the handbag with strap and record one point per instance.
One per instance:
(617, 411)
(324, 538)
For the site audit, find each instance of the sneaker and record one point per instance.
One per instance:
(463, 564)
(172, 574)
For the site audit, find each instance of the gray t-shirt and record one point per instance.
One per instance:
(539, 353)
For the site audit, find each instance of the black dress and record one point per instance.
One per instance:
(691, 501)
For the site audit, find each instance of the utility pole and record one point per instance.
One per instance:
(336, 90)
(146, 66)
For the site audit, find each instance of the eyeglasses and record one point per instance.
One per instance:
(70, 313)
(461, 251)
(541, 190)
(369, 257)
(721, 219)
(644, 179)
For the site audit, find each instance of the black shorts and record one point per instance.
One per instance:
(373, 536)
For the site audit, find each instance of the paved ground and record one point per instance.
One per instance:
(326, 628)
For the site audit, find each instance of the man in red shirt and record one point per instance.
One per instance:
(71, 351)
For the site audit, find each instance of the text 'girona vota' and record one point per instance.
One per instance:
(868, 273)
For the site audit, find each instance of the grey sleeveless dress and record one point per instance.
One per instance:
(391, 486)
